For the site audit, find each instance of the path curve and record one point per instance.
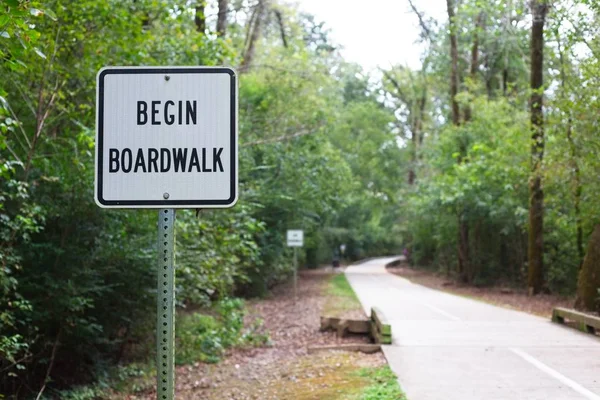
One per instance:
(448, 347)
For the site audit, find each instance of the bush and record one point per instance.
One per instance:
(205, 337)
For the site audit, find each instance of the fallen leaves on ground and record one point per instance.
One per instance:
(284, 370)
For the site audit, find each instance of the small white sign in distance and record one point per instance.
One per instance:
(166, 137)
(295, 238)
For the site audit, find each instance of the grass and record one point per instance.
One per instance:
(340, 296)
(383, 385)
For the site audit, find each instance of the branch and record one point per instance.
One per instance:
(400, 92)
(281, 27)
(50, 365)
(20, 125)
(426, 29)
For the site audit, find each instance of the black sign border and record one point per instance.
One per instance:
(166, 203)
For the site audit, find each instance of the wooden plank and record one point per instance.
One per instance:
(382, 324)
(375, 335)
(379, 337)
(587, 322)
(358, 325)
(344, 326)
(556, 317)
(329, 323)
(385, 340)
(355, 347)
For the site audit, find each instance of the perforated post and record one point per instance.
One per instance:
(295, 275)
(165, 328)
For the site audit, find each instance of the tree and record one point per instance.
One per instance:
(463, 224)
(454, 78)
(254, 31)
(535, 277)
(588, 286)
(200, 18)
(222, 18)
(410, 93)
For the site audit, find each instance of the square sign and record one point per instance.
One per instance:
(295, 238)
(166, 137)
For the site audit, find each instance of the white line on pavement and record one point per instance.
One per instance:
(432, 308)
(442, 312)
(555, 374)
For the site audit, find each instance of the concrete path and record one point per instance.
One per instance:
(447, 347)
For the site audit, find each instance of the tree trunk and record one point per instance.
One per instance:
(536, 193)
(281, 27)
(474, 58)
(466, 266)
(416, 111)
(506, 32)
(463, 225)
(222, 18)
(255, 29)
(463, 249)
(416, 139)
(454, 63)
(588, 297)
(200, 18)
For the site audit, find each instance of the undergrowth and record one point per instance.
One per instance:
(199, 337)
(203, 337)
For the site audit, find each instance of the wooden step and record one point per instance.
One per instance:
(355, 347)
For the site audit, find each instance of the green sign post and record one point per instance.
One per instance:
(295, 239)
(165, 312)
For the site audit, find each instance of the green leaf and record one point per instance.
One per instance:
(51, 15)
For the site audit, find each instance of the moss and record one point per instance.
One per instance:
(335, 376)
(383, 385)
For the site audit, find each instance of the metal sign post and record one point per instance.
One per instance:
(295, 239)
(295, 274)
(165, 333)
(166, 138)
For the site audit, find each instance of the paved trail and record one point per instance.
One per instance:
(447, 347)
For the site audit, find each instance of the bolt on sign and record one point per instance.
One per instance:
(166, 137)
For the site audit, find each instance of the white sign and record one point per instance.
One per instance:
(295, 238)
(166, 137)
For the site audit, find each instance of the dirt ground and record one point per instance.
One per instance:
(284, 370)
(541, 304)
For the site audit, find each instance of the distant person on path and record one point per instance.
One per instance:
(406, 254)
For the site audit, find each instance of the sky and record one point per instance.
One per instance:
(375, 33)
